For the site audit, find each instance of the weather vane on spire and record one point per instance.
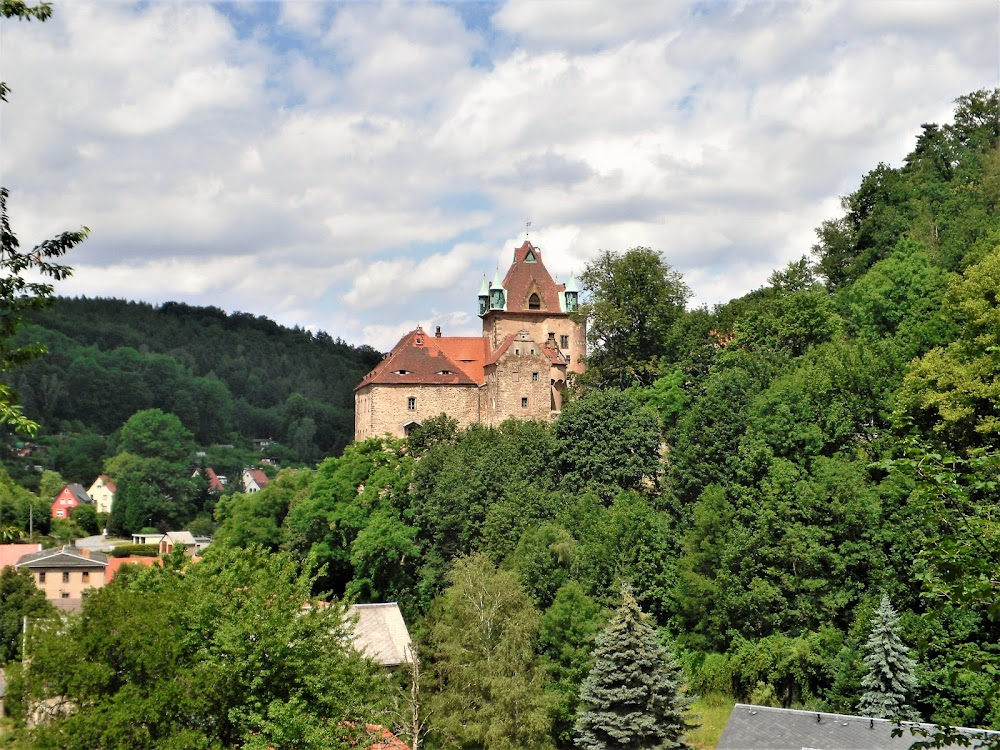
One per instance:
(527, 226)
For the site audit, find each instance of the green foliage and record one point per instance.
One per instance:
(151, 492)
(218, 656)
(484, 687)
(257, 518)
(889, 678)
(135, 550)
(954, 391)
(565, 640)
(19, 598)
(154, 434)
(608, 442)
(341, 501)
(794, 670)
(229, 378)
(633, 696)
(633, 301)
(85, 517)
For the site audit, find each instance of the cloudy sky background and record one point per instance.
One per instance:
(357, 167)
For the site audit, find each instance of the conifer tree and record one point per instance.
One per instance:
(890, 676)
(632, 697)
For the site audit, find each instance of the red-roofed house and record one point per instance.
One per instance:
(517, 368)
(102, 492)
(254, 480)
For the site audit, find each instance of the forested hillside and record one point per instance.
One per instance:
(229, 378)
(761, 473)
(783, 483)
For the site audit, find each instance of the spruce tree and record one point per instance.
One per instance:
(632, 697)
(890, 676)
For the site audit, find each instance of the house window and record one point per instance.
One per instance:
(65, 576)
(85, 576)
(64, 595)
(59, 513)
(564, 342)
(411, 403)
(534, 377)
(534, 302)
(41, 576)
(524, 402)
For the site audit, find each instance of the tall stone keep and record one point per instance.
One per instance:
(519, 367)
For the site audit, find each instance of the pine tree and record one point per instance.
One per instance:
(890, 676)
(632, 697)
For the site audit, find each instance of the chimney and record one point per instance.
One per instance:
(437, 331)
(85, 552)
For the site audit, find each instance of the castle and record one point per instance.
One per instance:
(518, 367)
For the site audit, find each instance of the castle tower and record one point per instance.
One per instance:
(533, 302)
(517, 368)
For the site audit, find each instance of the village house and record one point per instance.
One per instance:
(102, 493)
(519, 367)
(71, 496)
(65, 573)
(254, 480)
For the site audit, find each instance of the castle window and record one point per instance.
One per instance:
(402, 372)
(564, 342)
(524, 402)
(532, 351)
(534, 377)
(534, 302)
(411, 403)
(517, 351)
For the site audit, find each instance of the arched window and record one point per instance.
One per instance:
(534, 302)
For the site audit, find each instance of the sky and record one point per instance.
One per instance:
(357, 167)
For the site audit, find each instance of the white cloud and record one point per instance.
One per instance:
(355, 166)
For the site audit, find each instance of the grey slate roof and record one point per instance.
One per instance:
(380, 633)
(80, 493)
(764, 728)
(66, 556)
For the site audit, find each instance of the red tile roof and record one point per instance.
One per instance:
(108, 483)
(114, 563)
(523, 278)
(259, 477)
(419, 359)
(11, 553)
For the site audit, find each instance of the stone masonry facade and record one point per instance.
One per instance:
(530, 347)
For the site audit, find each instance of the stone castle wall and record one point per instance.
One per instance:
(381, 409)
(499, 325)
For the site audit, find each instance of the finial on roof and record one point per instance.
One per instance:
(527, 226)
(496, 279)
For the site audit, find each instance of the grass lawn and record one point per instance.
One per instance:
(713, 713)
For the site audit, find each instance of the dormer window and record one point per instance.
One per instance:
(445, 372)
(529, 257)
(401, 372)
(534, 302)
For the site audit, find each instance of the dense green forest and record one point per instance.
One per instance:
(765, 477)
(229, 378)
